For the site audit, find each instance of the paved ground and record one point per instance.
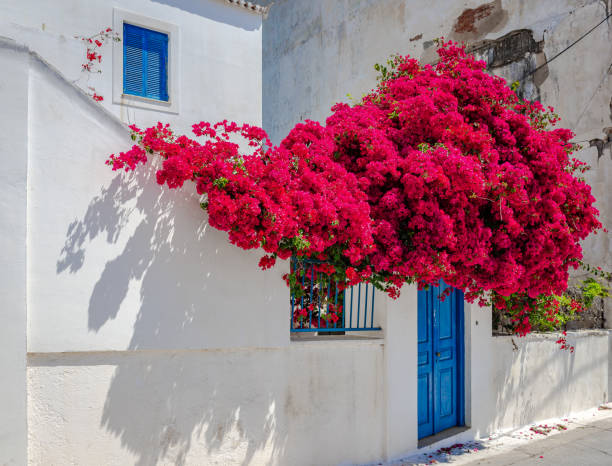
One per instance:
(586, 445)
(584, 439)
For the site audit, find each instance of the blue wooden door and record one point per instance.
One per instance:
(440, 360)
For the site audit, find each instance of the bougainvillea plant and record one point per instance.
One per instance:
(93, 55)
(440, 172)
(553, 313)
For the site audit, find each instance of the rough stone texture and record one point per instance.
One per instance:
(592, 317)
(516, 56)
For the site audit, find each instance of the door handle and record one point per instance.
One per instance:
(438, 354)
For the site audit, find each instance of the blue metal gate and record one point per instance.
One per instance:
(440, 360)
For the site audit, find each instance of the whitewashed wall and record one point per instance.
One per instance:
(535, 380)
(151, 340)
(514, 381)
(13, 225)
(310, 403)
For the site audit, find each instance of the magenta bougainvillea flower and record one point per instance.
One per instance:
(440, 172)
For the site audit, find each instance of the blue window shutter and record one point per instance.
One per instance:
(133, 60)
(156, 46)
(145, 62)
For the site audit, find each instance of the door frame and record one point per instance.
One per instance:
(461, 392)
(459, 303)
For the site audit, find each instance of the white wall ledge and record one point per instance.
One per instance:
(536, 336)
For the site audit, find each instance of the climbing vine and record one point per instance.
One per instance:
(93, 55)
(440, 172)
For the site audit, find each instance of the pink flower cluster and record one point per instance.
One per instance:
(441, 172)
(292, 199)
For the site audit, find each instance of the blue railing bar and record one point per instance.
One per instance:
(291, 298)
(303, 260)
(365, 311)
(338, 329)
(312, 280)
(319, 305)
(372, 317)
(292, 311)
(358, 304)
(328, 303)
(344, 308)
(350, 324)
(336, 301)
(303, 283)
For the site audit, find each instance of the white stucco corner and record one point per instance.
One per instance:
(400, 329)
(13, 231)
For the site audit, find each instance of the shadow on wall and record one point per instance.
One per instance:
(180, 273)
(155, 249)
(177, 408)
(181, 401)
(537, 380)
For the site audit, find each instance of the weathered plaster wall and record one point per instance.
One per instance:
(318, 51)
(512, 381)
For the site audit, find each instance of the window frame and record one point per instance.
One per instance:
(172, 104)
(148, 38)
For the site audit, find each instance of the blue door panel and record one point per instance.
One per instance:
(425, 408)
(439, 360)
(425, 365)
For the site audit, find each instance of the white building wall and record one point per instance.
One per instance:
(310, 403)
(150, 339)
(219, 56)
(116, 262)
(13, 179)
(532, 379)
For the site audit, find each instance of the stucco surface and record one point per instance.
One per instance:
(115, 261)
(150, 339)
(311, 403)
(13, 179)
(532, 379)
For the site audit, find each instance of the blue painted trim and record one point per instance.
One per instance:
(460, 357)
(147, 38)
(336, 329)
(429, 308)
(322, 297)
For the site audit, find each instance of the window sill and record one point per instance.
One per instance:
(301, 338)
(144, 102)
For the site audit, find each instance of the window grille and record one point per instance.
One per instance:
(322, 305)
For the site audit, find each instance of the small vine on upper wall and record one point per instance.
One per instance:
(93, 55)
